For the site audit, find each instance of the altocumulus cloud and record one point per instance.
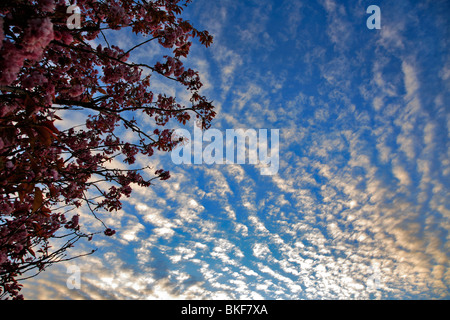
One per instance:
(359, 208)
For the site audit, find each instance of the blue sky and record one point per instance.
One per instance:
(359, 208)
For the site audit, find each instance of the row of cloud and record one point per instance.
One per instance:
(358, 210)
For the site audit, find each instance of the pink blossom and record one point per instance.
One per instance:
(3, 257)
(133, 75)
(66, 37)
(13, 59)
(2, 33)
(34, 80)
(49, 89)
(117, 15)
(47, 5)
(112, 75)
(54, 174)
(109, 232)
(37, 36)
(5, 207)
(76, 91)
(18, 248)
(73, 224)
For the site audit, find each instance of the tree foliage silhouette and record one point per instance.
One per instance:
(47, 65)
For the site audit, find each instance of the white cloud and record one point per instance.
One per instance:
(358, 210)
(401, 174)
(260, 250)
